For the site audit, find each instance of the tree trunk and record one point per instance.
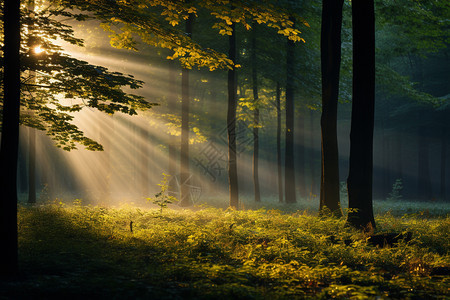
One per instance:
(22, 165)
(104, 181)
(279, 161)
(312, 154)
(386, 178)
(31, 165)
(300, 142)
(398, 154)
(10, 138)
(424, 190)
(145, 160)
(172, 148)
(359, 182)
(289, 168)
(330, 64)
(184, 149)
(443, 164)
(255, 119)
(32, 138)
(231, 124)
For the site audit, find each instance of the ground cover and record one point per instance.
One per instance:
(89, 252)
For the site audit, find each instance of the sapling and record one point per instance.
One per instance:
(396, 190)
(162, 198)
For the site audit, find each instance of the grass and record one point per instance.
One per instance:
(74, 252)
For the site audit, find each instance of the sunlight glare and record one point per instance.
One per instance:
(38, 49)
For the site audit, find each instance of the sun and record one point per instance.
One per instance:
(38, 49)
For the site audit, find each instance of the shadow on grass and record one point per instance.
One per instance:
(90, 252)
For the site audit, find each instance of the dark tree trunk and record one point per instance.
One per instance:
(22, 166)
(330, 64)
(184, 149)
(231, 124)
(289, 169)
(145, 161)
(31, 165)
(172, 147)
(443, 164)
(279, 161)
(398, 154)
(48, 170)
(312, 154)
(105, 133)
(256, 187)
(10, 138)
(32, 139)
(387, 181)
(300, 141)
(424, 190)
(359, 182)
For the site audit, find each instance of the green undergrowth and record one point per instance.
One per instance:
(129, 253)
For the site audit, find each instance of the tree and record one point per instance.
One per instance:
(255, 116)
(240, 13)
(289, 170)
(299, 147)
(56, 85)
(331, 63)
(172, 151)
(60, 77)
(31, 139)
(184, 150)
(279, 161)
(359, 182)
(10, 137)
(31, 165)
(231, 123)
(125, 19)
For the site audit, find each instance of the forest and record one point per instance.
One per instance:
(198, 149)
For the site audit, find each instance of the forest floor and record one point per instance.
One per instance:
(86, 252)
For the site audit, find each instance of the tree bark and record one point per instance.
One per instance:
(300, 142)
(359, 182)
(443, 176)
(31, 165)
(256, 186)
(330, 64)
(172, 147)
(398, 154)
(279, 161)
(231, 124)
(184, 149)
(10, 138)
(385, 162)
(145, 160)
(289, 168)
(424, 190)
(312, 154)
(32, 138)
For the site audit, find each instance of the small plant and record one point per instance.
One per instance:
(44, 195)
(162, 198)
(397, 187)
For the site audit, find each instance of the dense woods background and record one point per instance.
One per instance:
(409, 139)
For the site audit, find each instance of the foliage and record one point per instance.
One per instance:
(126, 20)
(411, 34)
(55, 85)
(163, 198)
(210, 253)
